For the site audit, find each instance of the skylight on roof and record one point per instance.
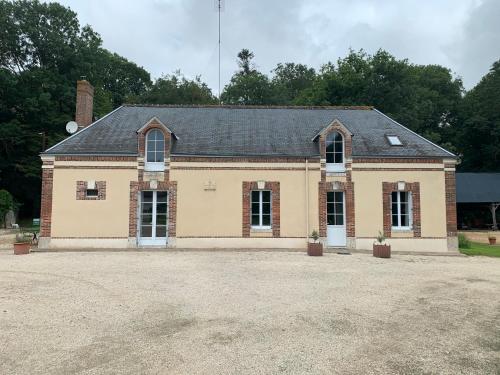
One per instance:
(394, 140)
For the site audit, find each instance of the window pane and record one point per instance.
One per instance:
(337, 147)
(266, 196)
(151, 156)
(147, 208)
(339, 209)
(159, 157)
(330, 147)
(161, 208)
(152, 135)
(394, 196)
(403, 195)
(338, 196)
(255, 208)
(394, 220)
(255, 220)
(330, 219)
(147, 196)
(161, 196)
(255, 196)
(266, 220)
(394, 208)
(147, 219)
(92, 192)
(338, 158)
(161, 220)
(161, 231)
(330, 158)
(405, 222)
(404, 209)
(339, 219)
(266, 208)
(146, 231)
(330, 207)
(330, 197)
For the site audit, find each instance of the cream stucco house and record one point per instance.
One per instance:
(245, 177)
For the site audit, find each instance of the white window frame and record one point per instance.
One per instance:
(335, 167)
(400, 227)
(260, 226)
(394, 140)
(149, 165)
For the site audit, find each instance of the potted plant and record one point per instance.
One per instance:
(492, 239)
(314, 248)
(22, 244)
(380, 248)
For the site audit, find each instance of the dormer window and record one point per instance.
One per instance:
(155, 150)
(394, 140)
(334, 152)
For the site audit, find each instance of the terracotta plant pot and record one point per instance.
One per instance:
(315, 249)
(21, 248)
(492, 240)
(381, 251)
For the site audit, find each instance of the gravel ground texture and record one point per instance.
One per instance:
(201, 312)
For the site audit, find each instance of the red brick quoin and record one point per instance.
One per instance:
(46, 201)
(387, 189)
(274, 187)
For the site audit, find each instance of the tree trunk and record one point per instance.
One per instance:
(493, 209)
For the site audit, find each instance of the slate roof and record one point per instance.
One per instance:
(247, 131)
(478, 187)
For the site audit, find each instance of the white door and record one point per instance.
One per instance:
(335, 218)
(153, 218)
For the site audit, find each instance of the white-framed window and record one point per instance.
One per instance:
(261, 209)
(334, 152)
(401, 210)
(155, 150)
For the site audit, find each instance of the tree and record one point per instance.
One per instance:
(6, 204)
(479, 133)
(247, 86)
(177, 89)
(289, 81)
(43, 52)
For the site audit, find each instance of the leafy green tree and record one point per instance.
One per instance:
(479, 134)
(247, 86)
(43, 52)
(6, 204)
(177, 89)
(289, 81)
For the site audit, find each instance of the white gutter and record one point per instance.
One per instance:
(307, 199)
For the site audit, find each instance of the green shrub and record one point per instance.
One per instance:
(463, 242)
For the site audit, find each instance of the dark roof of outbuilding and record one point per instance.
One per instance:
(478, 187)
(247, 131)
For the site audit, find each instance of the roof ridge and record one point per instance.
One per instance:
(240, 106)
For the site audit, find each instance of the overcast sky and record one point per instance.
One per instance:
(166, 35)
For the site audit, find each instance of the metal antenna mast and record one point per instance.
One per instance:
(220, 7)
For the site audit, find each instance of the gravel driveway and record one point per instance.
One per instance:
(247, 313)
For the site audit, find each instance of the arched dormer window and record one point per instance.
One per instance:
(155, 150)
(334, 152)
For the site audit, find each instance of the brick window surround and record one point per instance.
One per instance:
(168, 186)
(336, 127)
(387, 189)
(81, 191)
(248, 187)
(348, 189)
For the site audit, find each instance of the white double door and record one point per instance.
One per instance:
(335, 219)
(153, 218)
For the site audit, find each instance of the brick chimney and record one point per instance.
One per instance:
(84, 103)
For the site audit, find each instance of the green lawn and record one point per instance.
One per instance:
(482, 249)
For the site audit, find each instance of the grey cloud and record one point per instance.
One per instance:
(164, 35)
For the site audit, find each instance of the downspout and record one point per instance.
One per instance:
(307, 198)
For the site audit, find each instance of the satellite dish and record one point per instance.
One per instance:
(71, 127)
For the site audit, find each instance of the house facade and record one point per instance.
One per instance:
(245, 177)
